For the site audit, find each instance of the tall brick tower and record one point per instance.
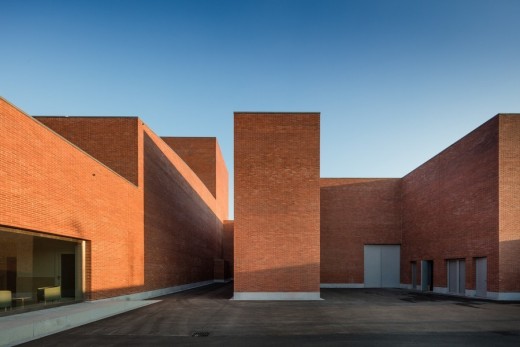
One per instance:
(277, 206)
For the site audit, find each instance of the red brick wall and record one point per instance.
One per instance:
(277, 202)
(203, 156)
(199, 154)
(112, 141)
(355, 212)
(509, 235)
(49, 186)
(228, 249)
(161, 233)
(183, 234)
(450, 208)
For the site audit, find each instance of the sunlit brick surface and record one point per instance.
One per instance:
(148, 219)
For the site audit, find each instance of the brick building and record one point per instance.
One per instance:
(102, 207)
(277, 206)
(450, 226)
(454, 221)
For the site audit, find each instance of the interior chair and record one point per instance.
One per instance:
(6, 299)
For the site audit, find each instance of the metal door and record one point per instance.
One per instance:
(382, 266)
(414, 275)
(457, 276)
(427, 275)
(481, 276)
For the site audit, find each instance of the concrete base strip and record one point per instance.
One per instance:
(506, 296)
(159, 292)
(468, 293)
(33, 325)
(276, 296)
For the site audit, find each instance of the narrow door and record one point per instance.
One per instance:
(481, 276)
(68, 275)
(427, 275)
(457, 276)
(390, 266)
(414, 275)
(462, 277)
(452, 276)
(372, 266)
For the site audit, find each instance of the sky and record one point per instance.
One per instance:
(396, 81)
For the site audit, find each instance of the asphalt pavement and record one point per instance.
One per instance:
(354, 317)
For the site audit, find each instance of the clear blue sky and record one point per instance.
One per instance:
(395, 81)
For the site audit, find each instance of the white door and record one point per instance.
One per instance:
(382, 266)
(481, 285)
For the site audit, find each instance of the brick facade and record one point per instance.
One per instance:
(111, 140)
(153, 211)
(182, 232)
(277, 205)
(450, 209)
(355, 212)
(509, 203)
(204, 157)
(50, 186)
(461, 205)
(149, 221)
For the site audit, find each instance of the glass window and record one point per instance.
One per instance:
(38, 271)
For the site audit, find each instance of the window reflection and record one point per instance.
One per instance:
(38, 271)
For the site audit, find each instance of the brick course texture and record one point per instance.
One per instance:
(204, 157)
(50, 186)
(111, 140)
(183, 234)
(277, 202)
(450, 208)
(509, 203)
(356, 212)
(148, 219)
(153, 211)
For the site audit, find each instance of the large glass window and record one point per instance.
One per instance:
(39, 271)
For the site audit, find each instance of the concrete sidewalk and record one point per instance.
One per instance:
(24, 327)
(365, 317)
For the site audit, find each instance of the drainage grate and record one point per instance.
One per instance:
(200, 334)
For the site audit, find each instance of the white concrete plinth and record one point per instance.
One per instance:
(276, 296)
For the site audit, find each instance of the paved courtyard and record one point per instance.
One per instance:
(363, 317)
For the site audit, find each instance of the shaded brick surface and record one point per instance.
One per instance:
(183, 234)
(450, 208)
(509, 203)
(111, 140)
(204, 157)
(356, 212)
(277, 203)
(228, 247)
